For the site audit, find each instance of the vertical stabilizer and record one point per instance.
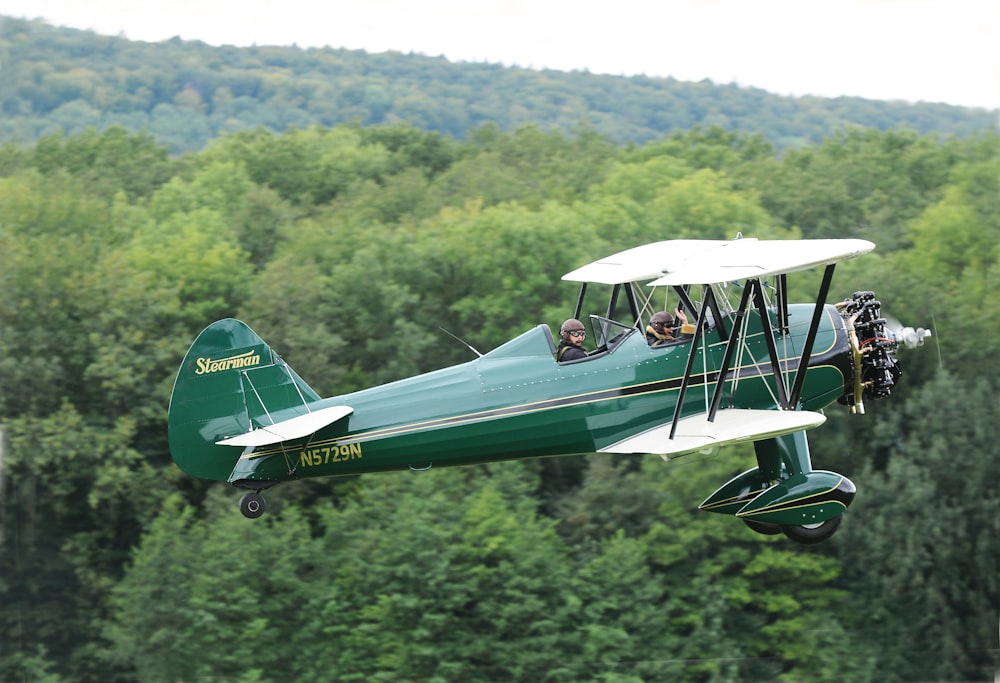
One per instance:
(229, 383)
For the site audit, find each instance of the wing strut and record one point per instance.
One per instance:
(782, 303)
(800, 373)
(579, 301)
(772, 351)
(720, 320)
(633, 306)
(614, 301)
(698, 334)
(684, 296)
(728, 357)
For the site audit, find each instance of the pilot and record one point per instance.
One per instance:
(661, 329)
(571, 336)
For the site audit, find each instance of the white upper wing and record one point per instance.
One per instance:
(685, 262)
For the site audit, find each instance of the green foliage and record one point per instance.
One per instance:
(106, 163)
(861, 183)
(431, 153)
(703, 206)
(229, 620)
(304, 166)
(712, 147)
(75, 496)
(187, 93)
(750, 607)
(948, 276)
(349, 249)
(475, 592)
(253, 211)
(923, 567)
(485, 269)
(137, 301)
(45, 252)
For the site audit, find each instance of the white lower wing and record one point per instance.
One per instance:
(286, 430)
(696, 433)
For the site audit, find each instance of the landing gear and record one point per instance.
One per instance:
(763, 527)
(812, 533)
(252, 505)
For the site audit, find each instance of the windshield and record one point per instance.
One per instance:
(608, 334)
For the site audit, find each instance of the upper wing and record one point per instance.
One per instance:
(286, 430)
(733, 425)
(683, 262)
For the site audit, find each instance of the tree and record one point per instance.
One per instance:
(414, 578)
(625, 634)
(255, 213)
(310, 166)
(147, 299)
(487, 273)
(348, 249)
(46, 248)
(742, 606)
(946, 277)
(109, 162)
(923, 563)
(191, 606)
(859, 183)
(72, 502)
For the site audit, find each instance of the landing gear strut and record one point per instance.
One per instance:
(252, 505)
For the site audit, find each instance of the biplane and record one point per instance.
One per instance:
(757, 368)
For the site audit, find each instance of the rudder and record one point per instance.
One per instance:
(229, 382)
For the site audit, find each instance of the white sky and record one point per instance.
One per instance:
(913, 50)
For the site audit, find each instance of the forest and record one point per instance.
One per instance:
(350, 248)
(187, 93)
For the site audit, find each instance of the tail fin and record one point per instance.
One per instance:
(230, 382)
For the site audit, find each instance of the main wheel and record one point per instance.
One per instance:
(812, 533)
(763, 527)
(252, 505)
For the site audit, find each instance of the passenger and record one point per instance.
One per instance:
(661, 329)
(571, 336)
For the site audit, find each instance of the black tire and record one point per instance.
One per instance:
(763, 527)
(252, 505)
(814, 533)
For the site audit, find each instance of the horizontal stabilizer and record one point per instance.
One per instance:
(287, 430)
(696, 433)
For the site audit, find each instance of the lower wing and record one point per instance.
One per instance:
(730, 426)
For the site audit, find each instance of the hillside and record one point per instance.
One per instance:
(187, 92)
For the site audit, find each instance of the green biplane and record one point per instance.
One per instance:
(757, 368)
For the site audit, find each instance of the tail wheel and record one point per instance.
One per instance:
(252, 505)
(812, 533)
(763, 527)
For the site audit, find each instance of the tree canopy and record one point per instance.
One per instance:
(188, 93)
(115, 566)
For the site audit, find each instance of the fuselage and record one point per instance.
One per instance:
(516, 401)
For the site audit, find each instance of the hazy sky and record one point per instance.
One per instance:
(914, 50)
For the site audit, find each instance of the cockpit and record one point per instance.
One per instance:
(608, 335)
(630, 309)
